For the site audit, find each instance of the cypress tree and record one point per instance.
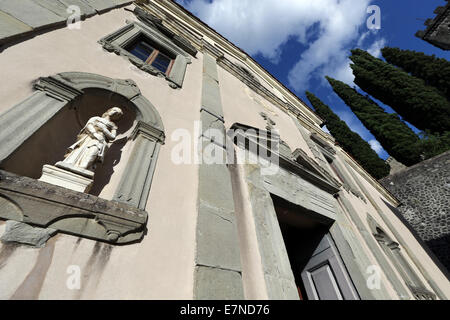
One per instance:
(392, 133)
(433, 145)
(423, 106)
(350, 141)
(434, 71)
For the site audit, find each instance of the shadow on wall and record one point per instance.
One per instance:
(441, 248)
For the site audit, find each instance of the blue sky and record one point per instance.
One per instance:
(301, 41)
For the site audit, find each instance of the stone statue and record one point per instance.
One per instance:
(92, 143)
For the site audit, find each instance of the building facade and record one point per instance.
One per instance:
(438, 29)
(212, 181)
(424, 192)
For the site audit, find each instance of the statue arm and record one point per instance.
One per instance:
(92, 131)
(111, 135)
(90, 128)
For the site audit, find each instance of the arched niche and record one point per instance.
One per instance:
(38, 130)
(49, 143)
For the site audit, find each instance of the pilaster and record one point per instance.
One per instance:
(217, 261)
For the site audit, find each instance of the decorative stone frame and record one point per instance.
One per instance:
(392, 249)
(117, 42)
(297, 182)
(304, 169)
(122, 222)
(304, 183)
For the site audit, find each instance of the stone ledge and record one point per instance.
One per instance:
(25, 18)
(22, 233)
(49, 206)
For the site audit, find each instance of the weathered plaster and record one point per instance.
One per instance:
(172, 222)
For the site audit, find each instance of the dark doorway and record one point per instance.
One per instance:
(318, 269)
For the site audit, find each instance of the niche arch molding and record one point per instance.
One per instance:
(123, 219)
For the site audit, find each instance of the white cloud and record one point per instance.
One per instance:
(376, 146)
(375, 48)
(263, 26)
(342, 70)
(324, 128)
(328, 54)
(326, 27)
(362, 38)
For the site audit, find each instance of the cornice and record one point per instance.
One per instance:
(377, 185)
(432, 24)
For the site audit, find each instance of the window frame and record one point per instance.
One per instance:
(394, 254)
(153, 55)
(118, 42)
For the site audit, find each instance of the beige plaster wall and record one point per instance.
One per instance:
(411, 248)
(400, 234)
(410, 244)
(161, 266)
(370, 256)
(362, 209)
(243, 105)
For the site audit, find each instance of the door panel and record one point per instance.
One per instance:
(325, 286)
(325, 276)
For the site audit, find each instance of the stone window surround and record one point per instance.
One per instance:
(117, 42)
(125, 220)
(393, 251)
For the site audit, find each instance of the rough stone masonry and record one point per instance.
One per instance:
(424, 190)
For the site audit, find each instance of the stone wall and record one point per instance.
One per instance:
(424, 190)
(437, 31)
(395, 165)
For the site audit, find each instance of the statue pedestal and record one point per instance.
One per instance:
(68, 177)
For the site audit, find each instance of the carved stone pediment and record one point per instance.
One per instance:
(302, 158)
(268, 143)
(49, 206)
(152, 21)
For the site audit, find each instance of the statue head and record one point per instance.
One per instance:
(113, 113)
